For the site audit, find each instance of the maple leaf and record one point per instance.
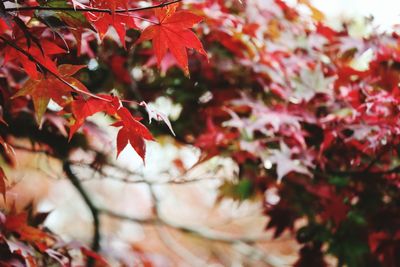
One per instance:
(40, 54)
(310, 256)
(118, 67)
(76, 21)
(157, 115)
(103, 21)
(82, 108)
(282, 217)
(213, 139)
(335, 209)
(310, 83)
(9, 153)
(284, 163)
(132, 132)
(3, 25)
(3, 186)
(17, 223)
(45, 88)
(260, 118)
(172, 33)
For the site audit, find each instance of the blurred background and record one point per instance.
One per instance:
(386, 13)
(192, 206)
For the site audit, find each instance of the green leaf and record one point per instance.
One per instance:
(339, 181)
(349, 244)
(241, 190)
(356, 218)
(71, 18)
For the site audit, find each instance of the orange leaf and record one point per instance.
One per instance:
(45, 88)
(17, 223)
(3, 186)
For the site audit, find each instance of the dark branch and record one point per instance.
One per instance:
(93, 210)
(96, 10)
(33, 150)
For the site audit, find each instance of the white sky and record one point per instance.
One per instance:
(385, 12)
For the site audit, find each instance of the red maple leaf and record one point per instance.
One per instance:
(50, 87)
(103, 21)
(17, 223)
(41, 55)
(3, 26)
(172, 32)
(132, 132)
(82, 108)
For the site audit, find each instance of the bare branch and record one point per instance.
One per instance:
(93, 210)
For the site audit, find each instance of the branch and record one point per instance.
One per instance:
(127, 176)
(116, 215)
(33, 59)
(33, 150)
(93, 210)
(126, 180)
(203, 233)
(95, 10)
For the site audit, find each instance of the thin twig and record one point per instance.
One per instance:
(119, 216)
(376, 159)
(126, 173)
(33, 59)
(89, 9)
(33, 150)
(126, 180)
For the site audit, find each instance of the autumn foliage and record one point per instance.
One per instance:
(308, 113)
